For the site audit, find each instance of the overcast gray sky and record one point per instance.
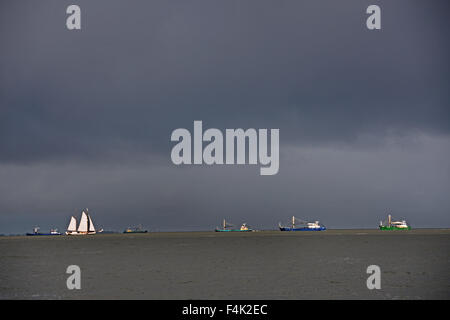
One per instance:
(86, 116)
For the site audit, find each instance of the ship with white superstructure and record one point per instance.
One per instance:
(300, 225)
(394, 225)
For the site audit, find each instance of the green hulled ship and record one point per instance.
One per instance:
(394, 225)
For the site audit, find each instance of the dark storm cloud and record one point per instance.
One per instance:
(341, 187)
(138, 70)
(86, 116)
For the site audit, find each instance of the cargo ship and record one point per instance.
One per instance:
(394, 225)
(53, 232)
(231, 228)
(137, 229)
(299, 225)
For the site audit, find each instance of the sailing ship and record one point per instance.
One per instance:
(394, 225)
(226, 227)
(53, 232)
(300, 225)
(137, 229)
(86, 225)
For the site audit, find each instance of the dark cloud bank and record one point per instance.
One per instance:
(86, 116)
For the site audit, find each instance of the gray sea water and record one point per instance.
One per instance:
(206, 265)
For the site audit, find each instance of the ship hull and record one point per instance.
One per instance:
(135, 231)
(302, 229)
(394, 228)
(232, 230)
(79, 233)
(43, 234)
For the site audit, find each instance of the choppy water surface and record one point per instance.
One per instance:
(206, 265)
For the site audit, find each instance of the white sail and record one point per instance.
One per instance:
(91, 225)
(83, 227)
(72, 225)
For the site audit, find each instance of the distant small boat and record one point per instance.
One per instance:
(299, 225)
(85, 227)
(137, 229)
(394, 225)
(230, 228)
(53, 232)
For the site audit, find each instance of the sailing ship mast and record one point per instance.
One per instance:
(91, 224)
(83, 226)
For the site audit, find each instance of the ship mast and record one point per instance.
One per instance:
(88, 220)
(293, 222)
